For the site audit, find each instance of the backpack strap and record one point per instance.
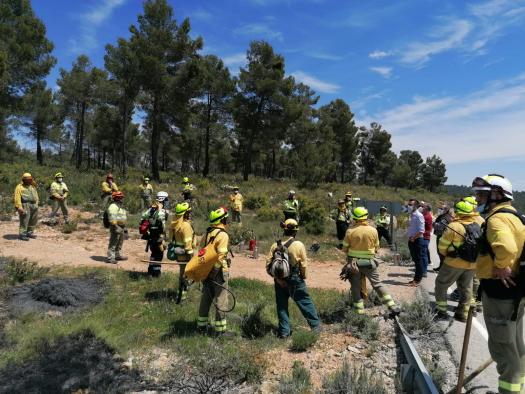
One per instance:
(212, 239)
(289, 242)
(486, 244)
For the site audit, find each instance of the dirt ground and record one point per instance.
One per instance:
(87, 247)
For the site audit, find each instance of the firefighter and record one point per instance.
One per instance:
(498, 267)
(26, 204)
(382, 221)
(146, 193)
(183, 237)
(293, 286)
(118, 220)
(187, 188)
(291, 207)
(341, 222)
(59, 195)
(455, 269)
(349, 201)
(108, 187)
(156, 217)
(236, 201)
(361, 244)
(215, 285)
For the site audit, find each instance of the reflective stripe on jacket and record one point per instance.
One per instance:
(382, 221)
(25, 194)
(117, 215)
(59, 189)
(182, 234)
(361, 241)
(291, 206)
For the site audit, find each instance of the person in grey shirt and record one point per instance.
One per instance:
(416, 228)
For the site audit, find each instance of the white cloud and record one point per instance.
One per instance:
(258, 30)
(237, 59)
(486, 124)
(484, 22)
(201, 14)
(324, 56)
(445, 37)
(378, 54)
(314, 83)
(385, 72)
(89, 23)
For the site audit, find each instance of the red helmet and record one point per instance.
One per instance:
(117, 195)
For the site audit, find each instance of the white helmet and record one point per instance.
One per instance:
(292, 192)
(161, 196)
(493, 182)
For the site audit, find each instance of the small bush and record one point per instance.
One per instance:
(19, 271)
(312, 216)
(336, 311)
(268, 214)
(253, 324)
(353, 381)
(298, 383)
(436, 371)
(418, 317)
(70, 227)
(361, 326)
(303, 340)
(256, 201)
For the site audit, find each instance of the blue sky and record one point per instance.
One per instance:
(444, 77)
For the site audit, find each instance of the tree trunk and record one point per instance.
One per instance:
(81, 136)
(39, 155)
(104, 159)
(247, 168)
(206, 169)
(155, 140)
(125, 122)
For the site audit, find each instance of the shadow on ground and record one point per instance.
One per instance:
(11, 237)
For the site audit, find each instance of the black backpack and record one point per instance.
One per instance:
(105, 219)
(469, 249)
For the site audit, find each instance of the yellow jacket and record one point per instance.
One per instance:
(236, 202)
(146, 190)
(221, 242)
(106, 189)
(117, 215)
(505, 234)
(25, 194)
(296, 254)
(449, 239)
(361, 241)
(182, 234)
(59, 189)
(478, 219)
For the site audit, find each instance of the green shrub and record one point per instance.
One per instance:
(361, 326)
(71, 226)
(353, 381)
(335, 313)
(303, 340)
(436, 371)
(256, 201)
(298, 383)
(312, 216)
(268, 214)
(418, 317)
(253, 324)
(19, 271)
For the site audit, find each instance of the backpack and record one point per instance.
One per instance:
(144, 227)
(279, 267)
(105, 219)
(468, 250)
(201, 264)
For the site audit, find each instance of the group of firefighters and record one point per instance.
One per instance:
(481, 255)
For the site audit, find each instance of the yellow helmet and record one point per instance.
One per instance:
(185, 180)
(27, 175)
(348, 194)
(290, 224)
(217, 215)
(59, 175)
(471, 200)
(463, 208)
(360, 213)
(182, 208)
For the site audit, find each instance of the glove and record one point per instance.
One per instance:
(348, 270)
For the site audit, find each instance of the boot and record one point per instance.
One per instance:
(121, 258)
(444, 316)
(111, 261)
(23, 237)
(460, 316)
(31, 235)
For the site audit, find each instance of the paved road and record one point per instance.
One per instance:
(478, 350)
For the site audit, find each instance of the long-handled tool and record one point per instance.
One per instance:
(474, 373)
(464, 351)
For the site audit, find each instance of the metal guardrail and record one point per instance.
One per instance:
(414, 375)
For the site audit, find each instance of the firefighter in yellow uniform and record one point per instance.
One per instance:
(146, 193)
(361, 244)
(59, 195)
(26, 204)
(117, 228)
(455, 268)
(183, 237)
(501, 282)
(236, 201)
(107, 188)
(215, 285)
